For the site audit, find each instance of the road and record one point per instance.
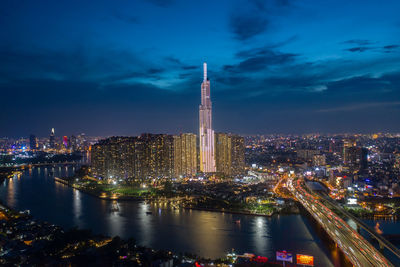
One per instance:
(358, 250)
(383, 242)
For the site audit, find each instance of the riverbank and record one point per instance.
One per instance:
(27, 241)
(188, 202)
(101, 195)
(157, 224)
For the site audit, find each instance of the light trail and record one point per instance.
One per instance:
(358, 250)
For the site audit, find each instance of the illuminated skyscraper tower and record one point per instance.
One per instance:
(52, 140)
(207, 160)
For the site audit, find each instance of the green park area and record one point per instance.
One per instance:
(103, 189)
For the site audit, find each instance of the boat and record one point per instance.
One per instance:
(114, 207)
(149, 212)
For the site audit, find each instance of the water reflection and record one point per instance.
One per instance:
(208, 234)
(145, 228)
(77, 206)
(261, 236)
(116, 223)
(11, 196)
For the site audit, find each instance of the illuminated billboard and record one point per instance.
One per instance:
(284, 256)
(305, 260)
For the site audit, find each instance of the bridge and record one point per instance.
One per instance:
(358, 250)
(383, 242)
(23, 165)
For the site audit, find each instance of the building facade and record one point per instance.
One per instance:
(185, 155)
(229, 154)
(149, 156)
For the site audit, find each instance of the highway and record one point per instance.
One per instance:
(358, 250)
(383, 241)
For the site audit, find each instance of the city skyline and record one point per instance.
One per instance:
(277, 67)
(230, 133)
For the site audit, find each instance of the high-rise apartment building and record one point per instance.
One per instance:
(356, 158)
(149, 156)
(185, 155)
(229, 154)
(73, 145)
(223, 153)
(396, 164)
(347, 144)
(206, 133)
(33, 144)
(237, 155)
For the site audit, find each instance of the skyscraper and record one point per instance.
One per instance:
(52, 140)
(206, 136)
(73, 142)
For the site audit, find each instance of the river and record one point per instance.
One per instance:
(208, 234)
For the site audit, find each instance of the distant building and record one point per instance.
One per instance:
(347, 144)
(65, 141)
(73, 145)
(356, 158)
(396, 164)
(185, 155)
(319, 160)
(307, 154)
(52, 139)
(33, 144)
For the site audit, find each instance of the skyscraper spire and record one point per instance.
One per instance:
(205, 71)
(207, 159)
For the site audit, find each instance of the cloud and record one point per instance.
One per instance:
(173, 60)
(365, 45)
(155, 70)
(252, 18)
(360, 106)
(358, 49)
(259, 59)
(190, 67)
(362, 45)
(390, 48)
(246, 26)
(178, 63)
(360, 42)
(319, 88)
(103, 65)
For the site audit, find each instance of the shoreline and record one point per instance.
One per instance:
(131, 198)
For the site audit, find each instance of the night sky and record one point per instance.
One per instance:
(127, 67)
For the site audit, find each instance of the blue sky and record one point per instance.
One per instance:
(127, 67)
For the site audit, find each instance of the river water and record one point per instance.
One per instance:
(208, 234)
